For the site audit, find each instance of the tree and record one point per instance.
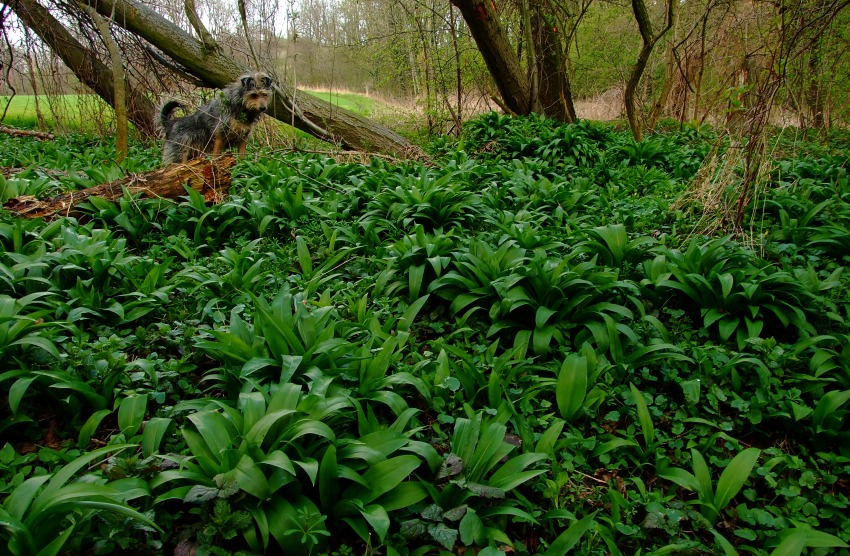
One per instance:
(214, 68)
(85, 63)
(649, 39)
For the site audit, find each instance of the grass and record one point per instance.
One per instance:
(85, 113)
(357, 103)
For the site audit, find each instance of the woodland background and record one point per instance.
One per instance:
(696, 61)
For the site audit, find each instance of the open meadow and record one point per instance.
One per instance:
(530, 345)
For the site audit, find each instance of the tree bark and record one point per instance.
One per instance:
(210, 177)
(555, 96)
(118, 85)
(312, 115)
(501, 60)
(83, 62)
(40, 135)
(649, 39)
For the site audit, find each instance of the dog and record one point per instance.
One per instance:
(224, 122)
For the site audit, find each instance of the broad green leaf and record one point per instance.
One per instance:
(646, 426)
(571, 388)
(251, 479)
(131, 414)
(734, 476)
(154, 432)
(471, 528)
(328, 479)
(569, 538)
(404, 495)
(216, 430)
(829, 404)
(377, 517)
(792, 545)
(90, 426)
(17, 391)
(383, 477)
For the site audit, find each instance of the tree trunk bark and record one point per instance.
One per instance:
(649, 39)
(210, 177)
(501, 60)
(83, 62)
(312, 115)
(118, 85)
(553, 82)
(670, 69)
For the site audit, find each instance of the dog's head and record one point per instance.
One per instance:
(256, 91)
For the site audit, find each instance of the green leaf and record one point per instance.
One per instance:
(734, 476)
(644, 418)
(328, 479)
(443, 535)
(90, 426)
(569, 538)
(792, 545)
(251, 479)
(382, 478)
(828, 405)
(154, 432)
(471, 528)
(377, 517)
(17, 391)
(131, 414)
(571, 388)
(216, 430)
(404, 495)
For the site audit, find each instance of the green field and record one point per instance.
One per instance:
(64, 112)
(84, 112)
(359, 104)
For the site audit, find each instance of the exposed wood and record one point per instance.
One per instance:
(83, 62)
(40, 135)
(210, 177)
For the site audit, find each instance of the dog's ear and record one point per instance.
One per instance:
(248, 83)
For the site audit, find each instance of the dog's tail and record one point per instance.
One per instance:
(165, 119)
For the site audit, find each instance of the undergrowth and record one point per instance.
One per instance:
(520, 349)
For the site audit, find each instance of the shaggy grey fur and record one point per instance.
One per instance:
(222, 123)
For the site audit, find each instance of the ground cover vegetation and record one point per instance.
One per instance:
(518, 348)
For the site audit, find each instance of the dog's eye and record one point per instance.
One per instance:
(266, 82)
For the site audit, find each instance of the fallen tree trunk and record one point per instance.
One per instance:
(210, 177)
(312, 115)
(40, 135)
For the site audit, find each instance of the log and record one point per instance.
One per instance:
(14, 132)
(210, 177)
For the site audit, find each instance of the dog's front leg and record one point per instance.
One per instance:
(218, 145)
(241, 149)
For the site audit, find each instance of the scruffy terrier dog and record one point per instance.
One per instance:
(222, 123)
